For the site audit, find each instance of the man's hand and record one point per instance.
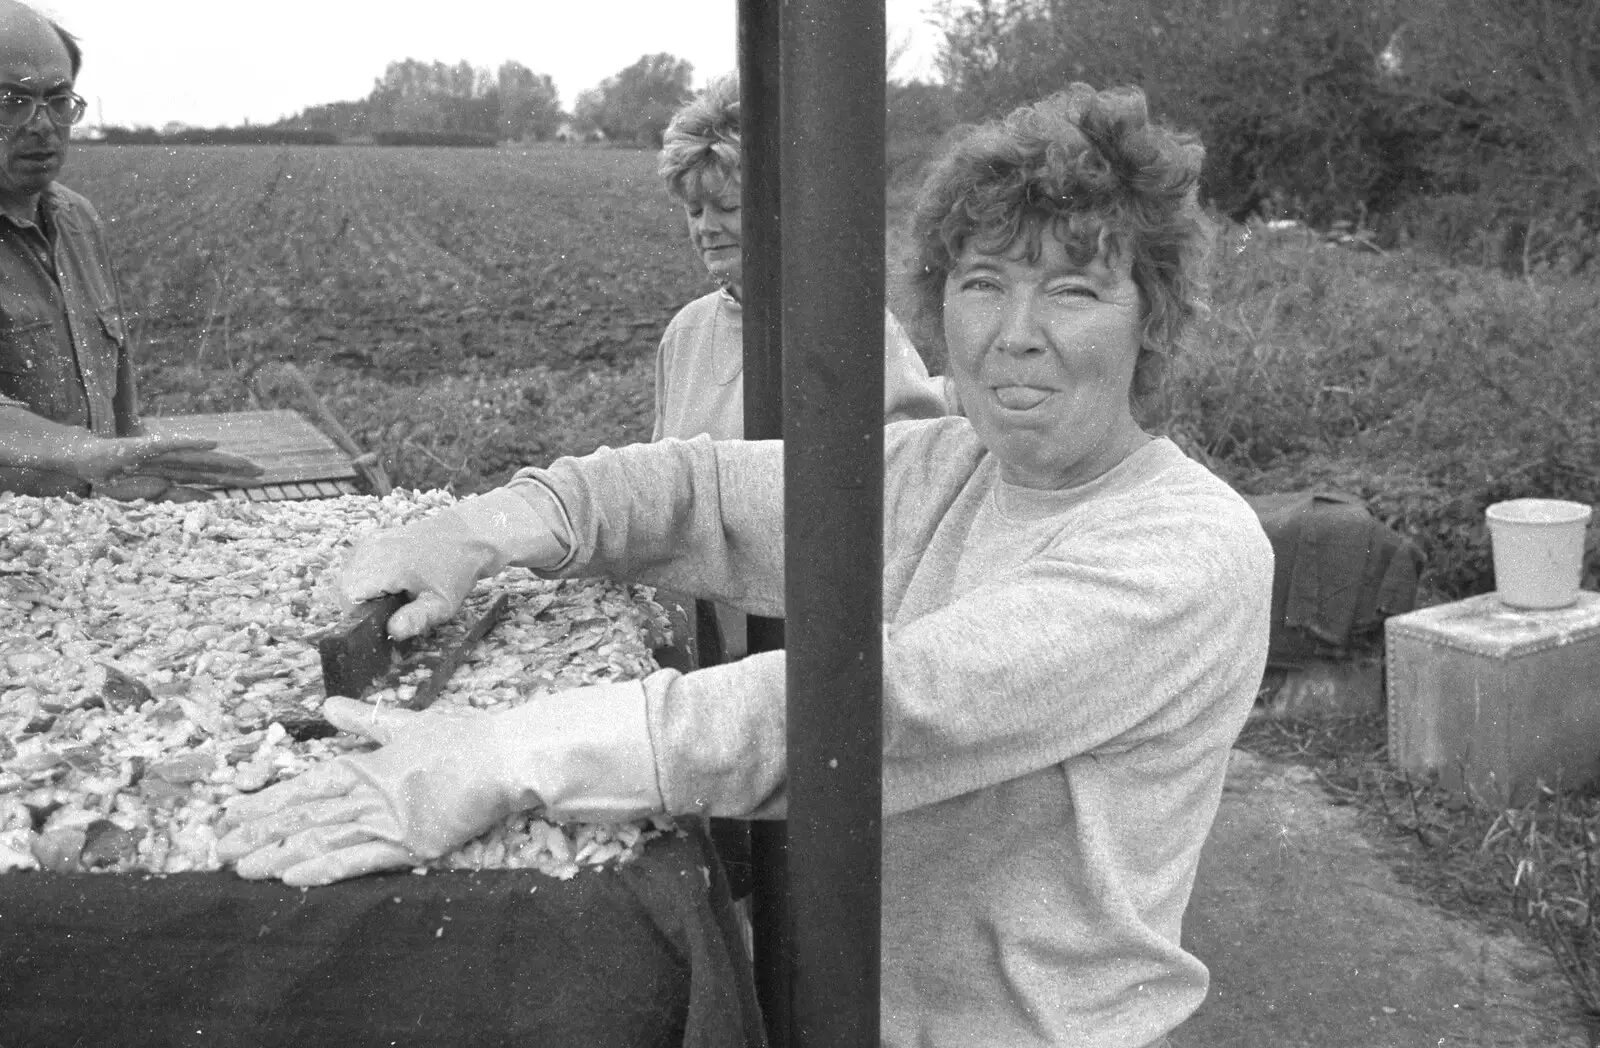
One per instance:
(170, 468)
(31, 441)
(99, 459)
(202, 466)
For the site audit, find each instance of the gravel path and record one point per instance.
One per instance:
(1313, 943)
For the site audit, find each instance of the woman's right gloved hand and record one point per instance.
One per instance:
(439, 559)
(440, 779)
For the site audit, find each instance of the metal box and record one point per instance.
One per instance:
(1495, 699)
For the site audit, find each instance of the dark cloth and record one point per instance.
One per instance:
(731, 836)
(63, 341)
(1339, 573)
(696, 622)
(648, 955)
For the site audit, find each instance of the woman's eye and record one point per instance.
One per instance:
(1076, 291)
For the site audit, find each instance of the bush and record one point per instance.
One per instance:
(434, 138)
(1427, 390)
(917, 118)
(250, 136)
(130, 136)
(1352, 111)
(219, 136)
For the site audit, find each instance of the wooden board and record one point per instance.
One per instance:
(356, 653)
(300, 461)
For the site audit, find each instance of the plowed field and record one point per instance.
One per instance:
(463, 311)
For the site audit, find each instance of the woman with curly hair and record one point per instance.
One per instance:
(1075, 620)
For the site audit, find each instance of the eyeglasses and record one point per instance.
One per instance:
(18, 110)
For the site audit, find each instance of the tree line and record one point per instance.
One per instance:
(414, 99)
(438, 103)
(512, 102)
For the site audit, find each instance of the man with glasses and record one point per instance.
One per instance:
(69, 420)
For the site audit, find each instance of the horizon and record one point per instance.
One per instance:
(205, 79)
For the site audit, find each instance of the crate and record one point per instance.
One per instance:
(301, 462)
(1494, 699)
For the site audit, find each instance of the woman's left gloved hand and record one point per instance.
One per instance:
(441, 779)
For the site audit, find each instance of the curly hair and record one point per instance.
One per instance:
(702, 137)
(1092, 169)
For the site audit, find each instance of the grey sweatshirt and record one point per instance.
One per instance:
(1064, 676)
(700, 390)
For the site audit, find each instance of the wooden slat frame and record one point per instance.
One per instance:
(300, 461)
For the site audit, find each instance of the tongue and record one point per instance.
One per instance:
(1019, 398)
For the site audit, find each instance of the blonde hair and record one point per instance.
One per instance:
(703, 137)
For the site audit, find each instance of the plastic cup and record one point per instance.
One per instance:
(1538, 551)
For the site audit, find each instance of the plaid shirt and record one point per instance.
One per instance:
(63, 344)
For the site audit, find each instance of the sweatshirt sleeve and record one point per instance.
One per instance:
(909, 392)
(1137, 627)
(1147, 629)
(702, 517)
(664, 358)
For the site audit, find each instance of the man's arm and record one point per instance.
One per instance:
(32, 441)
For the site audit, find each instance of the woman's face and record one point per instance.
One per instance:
(1042, 354)
(713, 209)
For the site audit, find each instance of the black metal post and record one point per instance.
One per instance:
(763, 419)
(832, 161)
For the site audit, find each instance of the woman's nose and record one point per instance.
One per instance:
(1020, 332)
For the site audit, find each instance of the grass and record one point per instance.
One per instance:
(466, 313)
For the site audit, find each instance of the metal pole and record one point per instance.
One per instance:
(763, 419)
(832, 160)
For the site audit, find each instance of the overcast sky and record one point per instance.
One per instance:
(215, 62)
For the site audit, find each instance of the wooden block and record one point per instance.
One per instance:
(358, 653)
(1496, 699)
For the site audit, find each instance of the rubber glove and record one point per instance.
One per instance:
(442, 778)
(440, 558)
